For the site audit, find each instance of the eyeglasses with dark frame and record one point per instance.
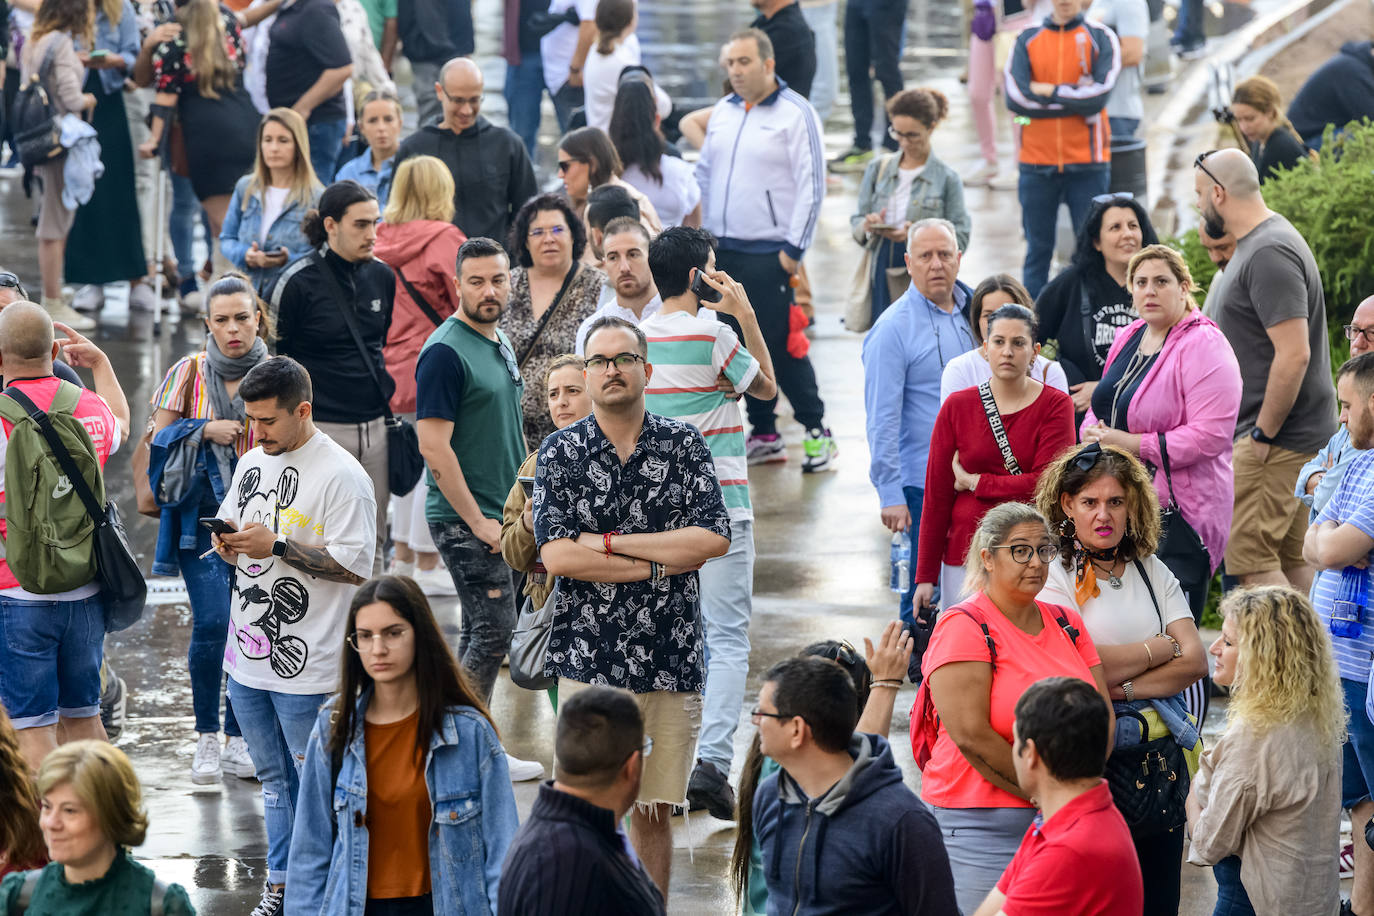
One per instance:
(1199, 163)
(623, 361)
(1022, 553)
(11, 281)
(473, 102)
(757, 714)
(900, 135)
(1352, 333)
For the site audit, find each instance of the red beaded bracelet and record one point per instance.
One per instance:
(606, 541)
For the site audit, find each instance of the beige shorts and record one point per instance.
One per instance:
(1269, 522)
(672, 720)
(54, 220)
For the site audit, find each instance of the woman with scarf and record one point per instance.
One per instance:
(1100, 501)
(197, 408)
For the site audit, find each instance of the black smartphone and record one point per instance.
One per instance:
(528, 484)
(218, 525)
(703, 290)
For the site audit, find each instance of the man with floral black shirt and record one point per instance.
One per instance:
(626, 509)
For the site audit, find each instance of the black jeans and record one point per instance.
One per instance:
(765, 281)
(1161, 866)
(486, 592)
(872, 43)
(400, 906)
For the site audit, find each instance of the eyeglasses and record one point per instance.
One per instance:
(1022, 553)
(10, 281)
(1115, 195)
(512, 367)
(1353, 333)
(474, 102)
(896, 134)
(623, 361)
(552, 231)
(1087, 456)
(565, 164)
(757, 714)
(363, 641)
(1198, 164)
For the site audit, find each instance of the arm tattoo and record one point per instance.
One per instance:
(317, 562)
(1010, 780)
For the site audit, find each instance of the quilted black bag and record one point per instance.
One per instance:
(37, 132)
(1149, 781)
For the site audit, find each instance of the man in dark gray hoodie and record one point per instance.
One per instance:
(1340, 91)
(839, 830)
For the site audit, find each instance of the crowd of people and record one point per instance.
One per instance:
(424, 376)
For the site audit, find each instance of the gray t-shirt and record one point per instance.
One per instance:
(1272, 278)
(1128, 19)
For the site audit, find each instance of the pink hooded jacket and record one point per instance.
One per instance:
(1192, 395)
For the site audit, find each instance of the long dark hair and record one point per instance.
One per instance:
(1086, 256)
(636, 137)
(842, 654)
(440, 681)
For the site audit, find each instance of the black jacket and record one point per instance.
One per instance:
(794, 47)
(311, 330)
(1083, 339)
(568, 860)
(434, 31)
(492, 175)
(1340, 91)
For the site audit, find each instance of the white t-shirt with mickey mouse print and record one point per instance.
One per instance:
(286, 627)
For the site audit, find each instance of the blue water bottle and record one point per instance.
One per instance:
(900, 560)
(1352, 597)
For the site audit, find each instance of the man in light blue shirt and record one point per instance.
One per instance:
(1319, 478)
(904, 356)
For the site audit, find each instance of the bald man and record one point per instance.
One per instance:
(492, 174)
(56, 677)
(1272, 310)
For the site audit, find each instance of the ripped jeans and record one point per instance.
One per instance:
(277, 728)
(486, 594)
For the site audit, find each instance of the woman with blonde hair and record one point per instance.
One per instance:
(420, 243)
(1262, 125)
(1265, 808)
(199, 74)
(92, 815)
(262, 227)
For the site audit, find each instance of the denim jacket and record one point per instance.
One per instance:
(243, 227)
(180, 445)
(937, 193)
(474, 820)
(121, 40)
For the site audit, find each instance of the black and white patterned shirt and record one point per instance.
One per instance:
(636, 635)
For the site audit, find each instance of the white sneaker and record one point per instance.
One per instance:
(436, 582)
(61, 311)
(401, 568)
(141, 298)
(89, 298)
(982, 176)
(234, 760)
(524, 770)
(205, 766)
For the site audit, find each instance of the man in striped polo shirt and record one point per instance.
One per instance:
(696, 359)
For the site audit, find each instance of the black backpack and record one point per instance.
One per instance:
(37, 132)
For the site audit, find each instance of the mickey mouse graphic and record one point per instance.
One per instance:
(288, 600)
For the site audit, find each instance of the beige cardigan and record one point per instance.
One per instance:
(65, 74)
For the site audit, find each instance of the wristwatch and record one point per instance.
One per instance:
(1258, 435)
(1128, 689)
(279, 546)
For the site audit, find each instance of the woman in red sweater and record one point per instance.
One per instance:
(969, 471)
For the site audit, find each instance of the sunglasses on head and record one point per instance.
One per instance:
(1200, 163)
(1087, 456)
(1115, 195)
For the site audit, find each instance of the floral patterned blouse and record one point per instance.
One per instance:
(172, 59)
(558, 336)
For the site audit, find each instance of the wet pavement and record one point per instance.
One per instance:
(822, 567)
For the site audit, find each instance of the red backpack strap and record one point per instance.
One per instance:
(925, 720)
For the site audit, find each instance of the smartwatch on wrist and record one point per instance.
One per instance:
(279, 546)
(1258, 435)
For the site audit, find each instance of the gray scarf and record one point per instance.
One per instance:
(218, 369)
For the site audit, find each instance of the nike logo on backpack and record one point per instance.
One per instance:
(62, 488)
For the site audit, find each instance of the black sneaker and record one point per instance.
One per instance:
(273, 901)
(709, 789)
(114, 703)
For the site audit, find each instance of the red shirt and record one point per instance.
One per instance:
(1036, 434)
(949, 780)
(1080, 861)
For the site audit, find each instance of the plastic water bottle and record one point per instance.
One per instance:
(1352, 597)
(900, 557)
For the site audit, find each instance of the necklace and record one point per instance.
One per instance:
(1112, 578)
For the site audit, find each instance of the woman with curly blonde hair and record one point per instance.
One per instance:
(1102, 507)
(1265, 808)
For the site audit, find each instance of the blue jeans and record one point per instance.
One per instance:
(50, 654)
(524, 92)
(1041, 190)
(182, 225)
(1188, 31)
(727, 604)
(488, 620)
(1232, 900)
(207, 586)
(1123, 128)
(826, 85)
(326, 146)
(277, 728)
(1357, 764)
(915, 498)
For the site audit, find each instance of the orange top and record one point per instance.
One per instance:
(398, 811)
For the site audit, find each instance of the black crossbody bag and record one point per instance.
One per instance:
(1180, 548)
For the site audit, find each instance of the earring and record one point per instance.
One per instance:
(1067, 528)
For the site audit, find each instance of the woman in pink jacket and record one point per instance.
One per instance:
(1171, 384)
(419, 242)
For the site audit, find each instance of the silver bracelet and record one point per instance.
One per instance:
(1129, 690)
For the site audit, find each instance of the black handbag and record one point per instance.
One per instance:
(1180, 548)
(122, 585)
(404, 463)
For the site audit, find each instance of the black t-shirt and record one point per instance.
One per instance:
(794, 47)
(1116, 389)
(1281, 150)
(306, 40)
(1083, 339)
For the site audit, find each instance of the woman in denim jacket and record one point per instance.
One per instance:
(900, 188)
(404, 793)
(262, 228)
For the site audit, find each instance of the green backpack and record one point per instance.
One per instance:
(49, 540)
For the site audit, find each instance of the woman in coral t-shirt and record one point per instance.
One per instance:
(975, 678)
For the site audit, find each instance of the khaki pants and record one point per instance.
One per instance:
(1269, 523)
(367, 443)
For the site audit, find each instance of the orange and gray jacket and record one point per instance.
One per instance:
(1081, 59)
